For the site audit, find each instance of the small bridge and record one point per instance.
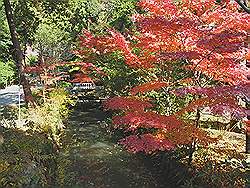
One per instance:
(84, 86)
(87, 92)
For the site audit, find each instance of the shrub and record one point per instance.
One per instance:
(48, 117)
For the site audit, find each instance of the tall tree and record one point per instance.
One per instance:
(207, 47)
(17, 53)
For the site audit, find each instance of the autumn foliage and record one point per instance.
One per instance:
(208, 38)
(49, 71)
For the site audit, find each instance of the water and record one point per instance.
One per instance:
(95, 160)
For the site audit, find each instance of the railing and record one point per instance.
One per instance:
(88, 86)
(84, 86)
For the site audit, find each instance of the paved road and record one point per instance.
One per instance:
(10, 95)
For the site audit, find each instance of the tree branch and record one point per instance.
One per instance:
(243, 6)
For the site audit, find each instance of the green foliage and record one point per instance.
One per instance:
(25, 159)
(53, 26)
(120, 15)
(117, 81)
(7, 73)
(64, 84)
(71, 15)
(31, 60)
(170, 103)
(218, 168)
(48, 117)
(27, 18)
(29, 154)
(5, 42)
(74, 15)
(50, 40)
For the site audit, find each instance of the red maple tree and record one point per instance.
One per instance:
(208, 38)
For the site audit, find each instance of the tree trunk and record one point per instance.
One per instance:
(243, 5)
(17, 53)
(193, 144)
(248, 116)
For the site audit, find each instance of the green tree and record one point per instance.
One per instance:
(7, 73)
(27, 19)
(5, 41)
(74, 15)
(51, 41)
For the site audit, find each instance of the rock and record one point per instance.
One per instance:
(100, 145)
(1, 139)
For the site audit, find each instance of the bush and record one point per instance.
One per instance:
(48, 117)
(7, 73)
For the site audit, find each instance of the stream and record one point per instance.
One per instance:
(95, 160)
